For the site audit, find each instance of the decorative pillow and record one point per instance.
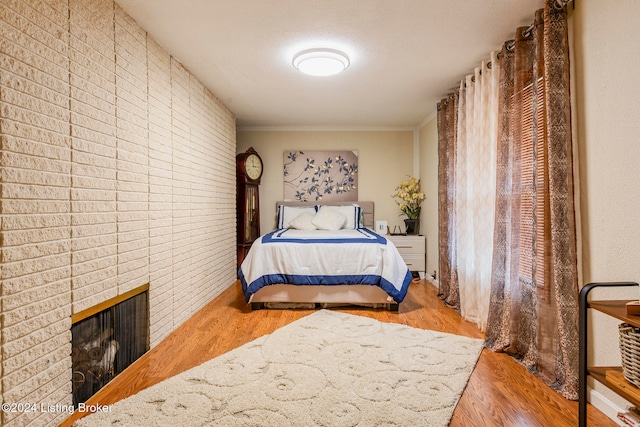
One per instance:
(286, 214)
(353, 214)
(304, 221)
(329, 219)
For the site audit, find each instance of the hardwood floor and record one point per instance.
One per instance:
(500, 391)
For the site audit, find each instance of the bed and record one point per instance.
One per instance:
(298, 266)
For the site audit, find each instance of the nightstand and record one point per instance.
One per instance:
(412, 250)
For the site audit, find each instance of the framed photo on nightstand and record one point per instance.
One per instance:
(381, 227)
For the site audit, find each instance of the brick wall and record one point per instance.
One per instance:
(118, 169)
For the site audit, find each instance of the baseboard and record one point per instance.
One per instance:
(429, 278)
(604, 405)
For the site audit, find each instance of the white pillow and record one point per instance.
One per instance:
(352, 213)
(329, 219)
(286, 214)
(304, 221)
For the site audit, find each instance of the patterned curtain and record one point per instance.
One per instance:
(447, 127)
(477, 134)
(534, 288)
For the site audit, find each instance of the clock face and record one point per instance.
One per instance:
(253, 166)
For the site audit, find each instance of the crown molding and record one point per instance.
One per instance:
(430, 117)
(325, 129)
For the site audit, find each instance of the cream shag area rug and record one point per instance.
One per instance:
(326, 369)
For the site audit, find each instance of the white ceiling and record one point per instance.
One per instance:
(405, 54)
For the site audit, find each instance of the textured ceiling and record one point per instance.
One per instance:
(405, 54)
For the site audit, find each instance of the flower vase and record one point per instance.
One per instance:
(412, 226)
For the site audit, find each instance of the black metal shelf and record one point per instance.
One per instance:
(616, 309)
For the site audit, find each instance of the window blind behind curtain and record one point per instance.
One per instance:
(534, 196)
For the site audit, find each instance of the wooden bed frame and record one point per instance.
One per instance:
(325, 296)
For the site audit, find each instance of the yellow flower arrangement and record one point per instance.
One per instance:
(409, 197)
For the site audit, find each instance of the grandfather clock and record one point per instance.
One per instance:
(248, 174)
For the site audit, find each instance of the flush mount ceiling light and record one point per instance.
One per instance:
(321, 62)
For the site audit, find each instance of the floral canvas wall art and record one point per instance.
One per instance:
(313, 176)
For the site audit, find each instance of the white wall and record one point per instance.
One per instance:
(385, 159)
(608, 93)
(607, 60)
(428, 143)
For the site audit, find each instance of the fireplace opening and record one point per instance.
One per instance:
(106, 339)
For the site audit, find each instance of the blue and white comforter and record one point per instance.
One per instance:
(347, 256)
